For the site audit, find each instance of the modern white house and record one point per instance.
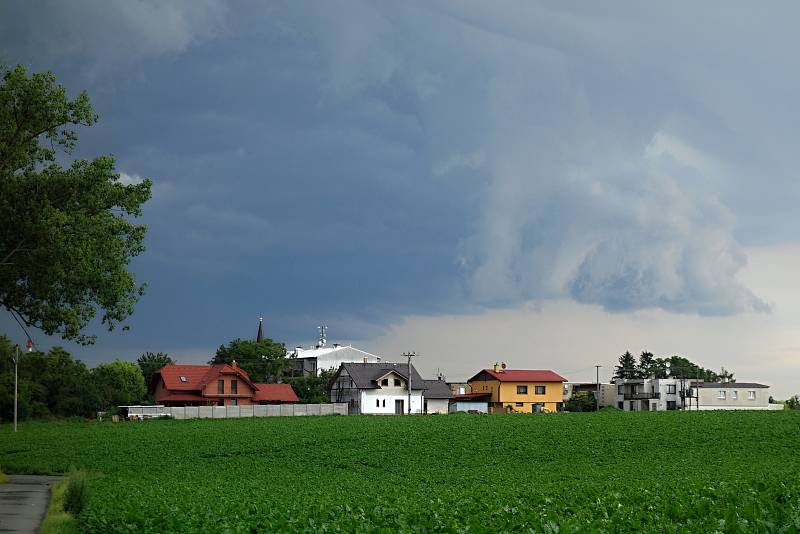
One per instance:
(379, 388)
(321, 358)
(652, 394)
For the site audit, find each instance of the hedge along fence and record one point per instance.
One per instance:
(226, 412)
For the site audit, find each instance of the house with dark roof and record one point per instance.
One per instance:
(518, 390)
(383, 389)
(437, 396)
(215, 385)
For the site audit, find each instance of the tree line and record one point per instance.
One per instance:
(648, 366)
(53, 384)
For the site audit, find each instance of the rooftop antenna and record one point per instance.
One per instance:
(321, 342)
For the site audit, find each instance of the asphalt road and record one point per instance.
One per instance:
(23, 502)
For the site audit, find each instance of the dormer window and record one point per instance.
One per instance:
(385, 382)
(184, 379)
(397, 382)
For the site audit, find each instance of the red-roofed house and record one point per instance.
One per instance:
(519, 390)
(215, 385)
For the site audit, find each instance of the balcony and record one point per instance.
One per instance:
(642, 395)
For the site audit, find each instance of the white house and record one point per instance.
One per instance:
(652, 394)
(378, 388)
(321, 358)
(734, 396)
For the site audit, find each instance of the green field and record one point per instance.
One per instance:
(615, 472)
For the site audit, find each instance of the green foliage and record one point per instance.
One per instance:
(312, 389)
(67, 239)
(119, 383)
(264, 361)
(76, 495)
(627, 367)
(792, 403)
(150, 362)
(50, 384)
(581, 402)
(577, 472)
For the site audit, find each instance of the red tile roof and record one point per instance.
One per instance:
(197, 376)
(274, 392)
(523, 375)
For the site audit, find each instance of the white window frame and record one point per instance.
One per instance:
(751, 395)
(721, 394)
(734, 395)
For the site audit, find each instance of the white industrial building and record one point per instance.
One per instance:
(322, 358)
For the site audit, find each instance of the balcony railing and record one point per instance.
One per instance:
(642, 395)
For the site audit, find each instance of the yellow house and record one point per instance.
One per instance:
(519, 390)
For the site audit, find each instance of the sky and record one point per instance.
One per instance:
(544, 184)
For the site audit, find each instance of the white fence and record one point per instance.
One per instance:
(225, 412)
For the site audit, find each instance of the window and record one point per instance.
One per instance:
(377, 403)
(721, 394)
(734, 395)
(384, 403)
(385, 382)
(462, 390)
(220, 387)
(751, 395)
(621, 405)
(671, 389)
(234, 387)
(620, 390)
(398, 382)
(671, 405)
(520, 404)
(234, 402)
(184, 379)
(522, 390)
(539, 390)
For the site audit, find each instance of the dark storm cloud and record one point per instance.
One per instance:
(353, 162)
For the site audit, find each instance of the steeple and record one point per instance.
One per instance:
(260, 335)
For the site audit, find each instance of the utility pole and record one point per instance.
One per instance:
(409, 355)
(16, 367)
(597, 394)
(16, 377)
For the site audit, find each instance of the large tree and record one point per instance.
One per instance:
(647, 364)
(627, 367)
(66, 239)
(118, 383)
(150, 362)
(263, 361)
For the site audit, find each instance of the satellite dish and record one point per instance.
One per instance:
(503, 365)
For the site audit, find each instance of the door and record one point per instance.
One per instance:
(399, 407)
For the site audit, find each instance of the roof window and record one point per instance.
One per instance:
(184, 379)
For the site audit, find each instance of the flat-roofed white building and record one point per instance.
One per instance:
(321, 358)
(734, 396)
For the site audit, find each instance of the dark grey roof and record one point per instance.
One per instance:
(365, 374)
(717, 385)
(437, 389)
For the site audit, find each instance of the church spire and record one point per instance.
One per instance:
(260, 335)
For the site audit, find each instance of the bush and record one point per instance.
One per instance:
(77, 494)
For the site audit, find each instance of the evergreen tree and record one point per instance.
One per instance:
(627, 367)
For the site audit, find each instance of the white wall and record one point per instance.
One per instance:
(438, 405)
(370, 396)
